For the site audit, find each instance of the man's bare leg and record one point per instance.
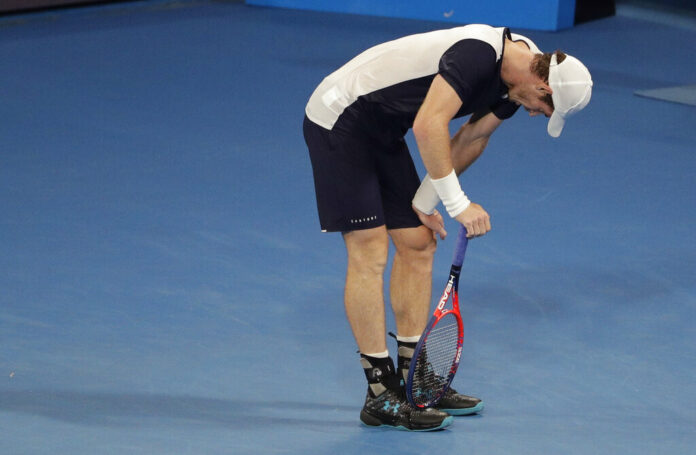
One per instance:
(364, 297)
(364, 300)
(411, 278)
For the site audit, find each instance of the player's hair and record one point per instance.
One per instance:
(540, 67)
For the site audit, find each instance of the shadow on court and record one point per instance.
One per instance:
(129, 409)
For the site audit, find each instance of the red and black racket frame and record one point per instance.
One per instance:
(451, 289)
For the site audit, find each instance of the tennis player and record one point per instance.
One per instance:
(368, 189)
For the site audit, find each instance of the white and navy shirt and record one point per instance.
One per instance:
(380, 91)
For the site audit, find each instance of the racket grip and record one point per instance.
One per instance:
(460, 248)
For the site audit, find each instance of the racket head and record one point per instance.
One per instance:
(435, 359)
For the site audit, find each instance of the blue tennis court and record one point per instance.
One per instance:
(165, 287)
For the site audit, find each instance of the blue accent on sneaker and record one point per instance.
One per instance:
(445, 423)
(464, 411)
(388, 407)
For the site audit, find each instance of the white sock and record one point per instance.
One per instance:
(413, 339)
(378, 355)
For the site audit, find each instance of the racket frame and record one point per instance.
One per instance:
(451, 290)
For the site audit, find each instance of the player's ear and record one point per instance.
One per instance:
(544, 88)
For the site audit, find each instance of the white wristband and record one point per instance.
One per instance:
(426, 198)
(451, 194)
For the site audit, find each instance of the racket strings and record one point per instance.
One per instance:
(434, 362)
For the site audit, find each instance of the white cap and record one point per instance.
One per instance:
(572, 88)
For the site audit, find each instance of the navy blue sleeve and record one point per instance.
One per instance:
(468, 66)
(504, 109)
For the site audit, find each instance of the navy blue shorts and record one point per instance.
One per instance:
(360, 183)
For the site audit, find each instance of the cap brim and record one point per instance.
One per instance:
(555, 125)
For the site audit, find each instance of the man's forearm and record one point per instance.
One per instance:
(434, 144)
(445, 158)
(465, 152)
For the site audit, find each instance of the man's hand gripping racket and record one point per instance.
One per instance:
(436, 357)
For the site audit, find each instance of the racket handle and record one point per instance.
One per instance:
(460, 248)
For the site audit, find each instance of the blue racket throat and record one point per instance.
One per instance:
(438, 352)
(460, 247)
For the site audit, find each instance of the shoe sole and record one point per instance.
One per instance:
(463, 411)
(447, 421)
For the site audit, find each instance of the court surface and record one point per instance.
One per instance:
(165, 289)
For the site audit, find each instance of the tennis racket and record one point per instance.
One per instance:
(436, 357)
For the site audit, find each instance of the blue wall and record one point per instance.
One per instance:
(528, 14)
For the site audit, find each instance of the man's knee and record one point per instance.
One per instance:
(415, 246)
(367, 250)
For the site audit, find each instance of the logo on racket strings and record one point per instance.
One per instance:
(455, 364)
(458, 356)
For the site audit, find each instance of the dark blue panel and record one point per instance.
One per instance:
(530, 14)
